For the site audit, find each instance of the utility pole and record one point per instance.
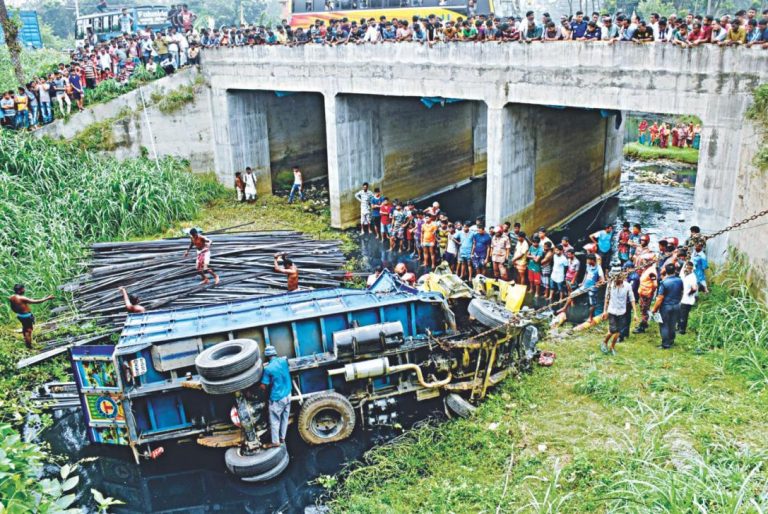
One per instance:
(77, 9)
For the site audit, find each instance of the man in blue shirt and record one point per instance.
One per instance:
(668, 303)
(604, 241)
(481, 251)
(463, 238)
(700, 265)
(578, 26)
(277, 378)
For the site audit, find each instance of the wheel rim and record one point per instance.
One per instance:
(326, 423)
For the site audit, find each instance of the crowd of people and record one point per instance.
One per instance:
(675, 135)
(554, 272)
(744, 28)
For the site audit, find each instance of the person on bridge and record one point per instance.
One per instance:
(203, 246)
(20, 305)
(277, 378)
(668, 304)
(289, 269)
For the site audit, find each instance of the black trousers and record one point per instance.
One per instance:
(685, 310)
(670, 315)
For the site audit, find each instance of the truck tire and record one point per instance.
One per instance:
(272, 473)
(490, 314)
(236, 383)
(326, 418)
(227, 359)
(254, 464)
(458, 406)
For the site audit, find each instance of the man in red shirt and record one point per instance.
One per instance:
(384, 212)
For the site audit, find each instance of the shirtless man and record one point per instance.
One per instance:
(131, 302)
(203, 246)
(288, 268)
(20, 305)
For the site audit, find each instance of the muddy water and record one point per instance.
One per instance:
(189, 478)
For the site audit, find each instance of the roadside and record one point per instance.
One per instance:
(643, 430)
(641, 152)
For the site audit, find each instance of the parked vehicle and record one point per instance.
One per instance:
(190, 373)
(106, 25)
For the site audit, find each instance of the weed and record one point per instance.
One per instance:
(645, 153)
(599, 386)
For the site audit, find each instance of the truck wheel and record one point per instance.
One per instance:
(256, 463)
(326, 418)
(456, 405)
(236, 383)
(227, 359)
(488, 313)
(272, 473)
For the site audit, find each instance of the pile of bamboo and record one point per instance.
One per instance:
(159, 274)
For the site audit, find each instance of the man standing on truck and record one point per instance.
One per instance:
(288, 268)
(203, 246)
(277, 378)
(20, 305)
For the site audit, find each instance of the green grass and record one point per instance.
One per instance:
(758, 112)
(56, 199)
(644, 431)
(641, 152)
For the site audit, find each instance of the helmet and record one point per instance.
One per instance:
(400, 268)
(645, 238)
(270, 351)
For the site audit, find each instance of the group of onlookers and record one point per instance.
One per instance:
(744, 28)
(664, 280)
(676, 135)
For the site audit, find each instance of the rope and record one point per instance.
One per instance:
(149, 128)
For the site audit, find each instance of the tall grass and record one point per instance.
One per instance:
(731, 320)
(659, 471)
(35, 63)
(56, 199)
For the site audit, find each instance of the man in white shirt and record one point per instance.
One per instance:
(616, 297)
(557, 279)
(690, 288)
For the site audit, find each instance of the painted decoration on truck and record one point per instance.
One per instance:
(113, 434)
(104, 407)
(95, 374)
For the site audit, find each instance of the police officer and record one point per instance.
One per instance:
(668, 303)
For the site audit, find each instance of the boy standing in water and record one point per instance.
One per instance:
(203, 246)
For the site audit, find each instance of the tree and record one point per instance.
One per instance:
(11, 31)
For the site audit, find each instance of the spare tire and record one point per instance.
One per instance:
(272, 473)
(236, 383)
(256, 463)
(489, 313)
(455, 404)
(326, 417)
(227, 359)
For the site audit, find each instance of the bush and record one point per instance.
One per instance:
(733, 320)
(55, 199)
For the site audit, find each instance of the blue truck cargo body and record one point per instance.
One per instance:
(147, 388)
(29, 32)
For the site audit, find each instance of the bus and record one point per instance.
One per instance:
(304, 13)
(106, 25)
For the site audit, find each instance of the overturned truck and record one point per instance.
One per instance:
(353, 354)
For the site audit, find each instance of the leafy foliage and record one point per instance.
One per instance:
(34, 62)
(645, 153)
(55, 199)
(758, 111)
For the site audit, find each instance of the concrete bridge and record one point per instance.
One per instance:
(542, 121)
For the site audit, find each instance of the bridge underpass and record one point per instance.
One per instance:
(530, 165)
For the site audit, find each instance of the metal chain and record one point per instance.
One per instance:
(623, 274)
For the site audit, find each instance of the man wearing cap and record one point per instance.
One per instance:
(277, 378)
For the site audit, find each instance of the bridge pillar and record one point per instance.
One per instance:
(720, 161)
(240, 136)
(354, 154)
(546, 164)
(511, 163)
